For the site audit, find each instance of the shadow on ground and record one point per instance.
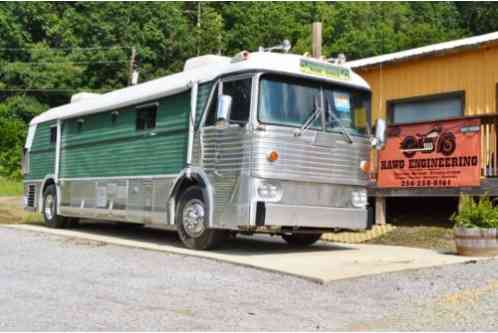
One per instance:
(239, 245)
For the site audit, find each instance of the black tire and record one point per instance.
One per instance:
(207, 238)
(301, 239)
(409, 143)
(447, 144)
(50, 200)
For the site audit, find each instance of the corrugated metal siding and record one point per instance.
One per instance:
(473, 71)
(42, 154)
(300, 160)
(104, 149)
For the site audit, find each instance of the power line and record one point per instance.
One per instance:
(66, 62)
(67, 48)
(52, 90)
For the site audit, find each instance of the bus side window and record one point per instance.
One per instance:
(53, 134)
(211, 112)
(240, 91)
(146, 117)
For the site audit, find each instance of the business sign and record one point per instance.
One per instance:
(437, 154)
(326, 70)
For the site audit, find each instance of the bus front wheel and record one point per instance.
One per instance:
(50, 208)
(301, 239)
(192, 221)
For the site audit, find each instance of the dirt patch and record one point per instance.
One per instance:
(11, 211)
(83, 242)
(429, 237)
(420, 222)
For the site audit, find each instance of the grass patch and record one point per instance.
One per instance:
(9, 187)
(11, 212)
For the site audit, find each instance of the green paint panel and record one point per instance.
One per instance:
(42, 154)
(100, 148)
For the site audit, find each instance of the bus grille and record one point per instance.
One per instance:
(31, 195)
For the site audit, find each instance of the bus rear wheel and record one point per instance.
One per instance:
(301, 239)
(50, 208)
(192, 221)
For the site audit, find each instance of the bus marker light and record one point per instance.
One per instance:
(272, 156)
(365, 166)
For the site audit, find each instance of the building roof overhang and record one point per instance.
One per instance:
(426, 51)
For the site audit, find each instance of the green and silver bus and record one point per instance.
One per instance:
(261, 142)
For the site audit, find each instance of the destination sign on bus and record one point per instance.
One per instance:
(327, 70)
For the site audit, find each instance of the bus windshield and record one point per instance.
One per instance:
(291, 101)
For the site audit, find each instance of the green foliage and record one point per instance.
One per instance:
(472, 214)
(9, 187)
(15, 112)
(51, 50)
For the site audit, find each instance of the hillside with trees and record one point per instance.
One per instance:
(49, 51)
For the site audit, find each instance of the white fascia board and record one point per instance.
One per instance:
(425, 50)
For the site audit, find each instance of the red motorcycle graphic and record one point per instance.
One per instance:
(434, 140)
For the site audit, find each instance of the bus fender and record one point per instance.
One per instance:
(187, 177)
(49, 179)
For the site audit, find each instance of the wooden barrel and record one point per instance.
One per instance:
(476, 241)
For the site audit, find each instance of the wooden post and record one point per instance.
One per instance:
(131, 65)
(316, 39)
(380, 210)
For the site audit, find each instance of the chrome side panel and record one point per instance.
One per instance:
(139, 200)
(313, 157)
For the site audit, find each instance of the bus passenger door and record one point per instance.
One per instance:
(226, 152)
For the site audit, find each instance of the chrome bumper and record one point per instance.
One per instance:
(315, 216)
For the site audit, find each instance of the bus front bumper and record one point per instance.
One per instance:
(315, 216)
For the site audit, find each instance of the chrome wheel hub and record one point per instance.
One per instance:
(193, 218)
(49, 206)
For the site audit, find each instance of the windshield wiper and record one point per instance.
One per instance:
(311, 118)
(339, 122)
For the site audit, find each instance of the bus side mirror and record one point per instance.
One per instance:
(223, 109)
(380, 134)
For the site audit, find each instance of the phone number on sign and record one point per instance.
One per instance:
(421, 183)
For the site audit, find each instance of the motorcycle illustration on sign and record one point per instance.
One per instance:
(436, 139)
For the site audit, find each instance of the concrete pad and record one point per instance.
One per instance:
(321, 263)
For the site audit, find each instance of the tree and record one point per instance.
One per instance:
(15, 112)
(478, 17)
(51, 50)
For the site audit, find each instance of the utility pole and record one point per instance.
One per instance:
(131, 66)
(316, 36)
(198, 27)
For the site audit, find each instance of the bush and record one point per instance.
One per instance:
(472, 214)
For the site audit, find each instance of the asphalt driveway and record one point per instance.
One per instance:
(50, 282)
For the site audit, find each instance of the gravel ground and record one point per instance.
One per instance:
(54, 283)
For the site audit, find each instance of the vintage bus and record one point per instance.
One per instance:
(261, 142)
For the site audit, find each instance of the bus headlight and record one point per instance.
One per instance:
(271, 191)
(359, 198)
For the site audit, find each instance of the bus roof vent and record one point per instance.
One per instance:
(205, 60)
(83, 95)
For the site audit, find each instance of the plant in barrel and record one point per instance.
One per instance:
(476, 224)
